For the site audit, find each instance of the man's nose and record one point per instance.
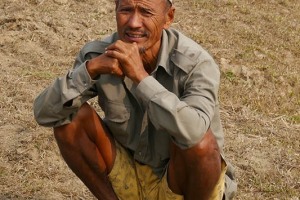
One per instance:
(135, 20)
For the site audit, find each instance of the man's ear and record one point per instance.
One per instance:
(170, 17)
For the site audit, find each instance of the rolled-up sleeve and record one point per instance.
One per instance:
(185, 118)
(57, 104)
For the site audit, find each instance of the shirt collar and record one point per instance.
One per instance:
(164, 53)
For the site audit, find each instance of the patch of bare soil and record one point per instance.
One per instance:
(256, 44)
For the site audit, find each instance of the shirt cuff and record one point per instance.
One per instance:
(147, 89)
(81, 78)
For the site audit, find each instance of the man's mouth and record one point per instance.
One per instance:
(135, 35)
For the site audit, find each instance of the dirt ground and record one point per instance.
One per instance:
(256, 44)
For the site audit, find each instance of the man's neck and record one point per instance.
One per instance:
(150, 62)
(150, 57)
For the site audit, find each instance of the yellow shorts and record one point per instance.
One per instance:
(133, 181)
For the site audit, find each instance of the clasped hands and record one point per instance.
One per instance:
(120, 59)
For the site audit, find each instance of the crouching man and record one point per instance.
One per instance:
(161, 137)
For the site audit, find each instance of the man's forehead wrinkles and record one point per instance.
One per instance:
(141, 3)
(140, 6)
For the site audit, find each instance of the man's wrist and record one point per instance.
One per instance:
(141, 77)
(90, 70)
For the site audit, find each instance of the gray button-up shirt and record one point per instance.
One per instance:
(178, 102)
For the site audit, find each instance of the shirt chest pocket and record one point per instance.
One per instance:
(117, 117)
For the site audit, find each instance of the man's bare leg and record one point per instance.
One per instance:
(195, 172)
(89, 150)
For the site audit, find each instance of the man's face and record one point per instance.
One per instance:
(142, 21)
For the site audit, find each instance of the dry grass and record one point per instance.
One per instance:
(256, 44)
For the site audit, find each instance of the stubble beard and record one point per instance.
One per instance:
(142, 50)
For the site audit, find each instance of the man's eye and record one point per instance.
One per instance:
(125, 10)
(147, 13)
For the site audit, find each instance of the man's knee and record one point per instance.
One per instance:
(206, 147)
(63, 135)
(84, 113)
(68, 134)
(199, 162)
